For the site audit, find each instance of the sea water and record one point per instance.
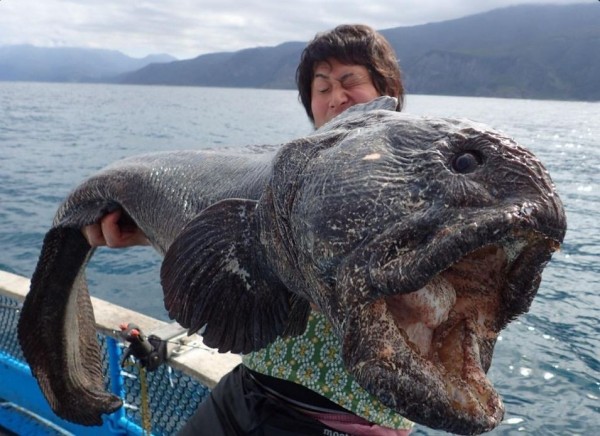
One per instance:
(546, 364)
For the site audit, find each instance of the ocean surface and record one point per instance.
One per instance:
(546, 365)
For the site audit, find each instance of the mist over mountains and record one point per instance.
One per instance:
(527, 51)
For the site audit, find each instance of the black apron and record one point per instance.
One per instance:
(240, 405)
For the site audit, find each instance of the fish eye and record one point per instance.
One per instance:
(466, 162)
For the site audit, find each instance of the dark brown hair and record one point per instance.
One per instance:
(351, 44)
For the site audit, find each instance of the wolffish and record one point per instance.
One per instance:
(418, 238)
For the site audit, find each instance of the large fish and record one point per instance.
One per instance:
(419, 238)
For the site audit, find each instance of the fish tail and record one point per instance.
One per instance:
(57, 330)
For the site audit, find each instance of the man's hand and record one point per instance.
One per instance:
(114, 234)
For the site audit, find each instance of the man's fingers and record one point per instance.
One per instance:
(93, 234)
(114, 233)
(103, 233)
(120, 231)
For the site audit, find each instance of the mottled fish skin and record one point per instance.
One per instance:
(419, 238)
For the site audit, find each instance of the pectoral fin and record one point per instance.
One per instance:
(215, 277)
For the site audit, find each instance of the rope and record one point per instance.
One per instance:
(146, 415)
(145, 398)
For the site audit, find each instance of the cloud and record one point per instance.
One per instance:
(187, 28)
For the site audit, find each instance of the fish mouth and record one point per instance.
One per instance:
(424, 344)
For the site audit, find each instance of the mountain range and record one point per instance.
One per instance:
(526, 51)
(68, 64)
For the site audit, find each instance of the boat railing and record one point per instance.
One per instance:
(157, 402)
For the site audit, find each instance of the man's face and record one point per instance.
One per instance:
(336, 87)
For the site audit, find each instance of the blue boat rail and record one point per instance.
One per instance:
(157, 403)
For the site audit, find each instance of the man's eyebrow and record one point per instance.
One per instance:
(346, 76)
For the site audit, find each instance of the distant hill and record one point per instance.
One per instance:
(263, 67)
(65, 64)
(526, 51)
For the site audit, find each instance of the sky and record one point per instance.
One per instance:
(188, 28)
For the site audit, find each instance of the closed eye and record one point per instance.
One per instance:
(321, 84)
(351, 80)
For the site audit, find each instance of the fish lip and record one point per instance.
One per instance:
(534, 248)
(454, 240)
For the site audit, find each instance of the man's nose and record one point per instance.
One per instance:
(339, 97)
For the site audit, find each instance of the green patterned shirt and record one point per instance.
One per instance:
(313, 360)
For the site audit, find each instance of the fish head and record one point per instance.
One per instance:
(420, 239)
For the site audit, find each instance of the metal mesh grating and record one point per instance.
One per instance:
(9, 316)
(173, 397)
